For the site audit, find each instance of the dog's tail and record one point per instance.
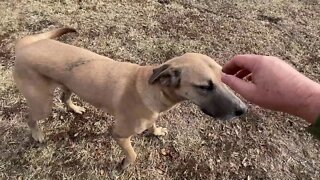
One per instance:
(46, 35)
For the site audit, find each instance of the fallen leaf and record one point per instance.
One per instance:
(159, 171)
(163, 152)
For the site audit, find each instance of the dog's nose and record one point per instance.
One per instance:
(240, 111)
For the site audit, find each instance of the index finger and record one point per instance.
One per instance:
(240, 62)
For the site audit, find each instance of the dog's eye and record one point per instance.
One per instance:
(208, 87)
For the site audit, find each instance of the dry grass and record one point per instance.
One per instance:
(262, 145)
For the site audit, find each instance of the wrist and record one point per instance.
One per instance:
(311, 110)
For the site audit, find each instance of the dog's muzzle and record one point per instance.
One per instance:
(239, 111)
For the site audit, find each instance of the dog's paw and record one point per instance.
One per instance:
(38, 136)
(124, 164)
(77, 109)
(160, 131)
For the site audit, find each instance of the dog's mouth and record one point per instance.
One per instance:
(227, 117)
(208, 113)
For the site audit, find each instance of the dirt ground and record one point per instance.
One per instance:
(261, 145)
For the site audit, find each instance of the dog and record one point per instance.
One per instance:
(134, 94)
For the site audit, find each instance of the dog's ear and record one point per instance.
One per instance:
(166, 76)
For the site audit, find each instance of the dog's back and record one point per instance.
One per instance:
(42, 64)
(27, 40)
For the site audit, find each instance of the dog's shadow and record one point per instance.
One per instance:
(16, 151)
(65, 135)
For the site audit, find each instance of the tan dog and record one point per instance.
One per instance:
(134, 94)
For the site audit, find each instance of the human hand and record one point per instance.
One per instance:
(274, 85)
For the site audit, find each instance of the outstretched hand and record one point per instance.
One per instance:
(271, 83)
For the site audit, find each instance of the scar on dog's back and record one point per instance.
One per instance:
(77, 63)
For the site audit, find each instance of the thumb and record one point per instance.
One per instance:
(240, 86)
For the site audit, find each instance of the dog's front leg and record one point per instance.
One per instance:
(157, 131)
(127, 148)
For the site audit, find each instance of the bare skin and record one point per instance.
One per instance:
(273, 84)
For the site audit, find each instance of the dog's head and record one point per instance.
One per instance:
(197, 78)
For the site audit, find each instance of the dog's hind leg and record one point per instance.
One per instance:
(39, 109)
(66, 99)
(38, 92)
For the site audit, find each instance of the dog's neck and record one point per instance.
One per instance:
(156, 98)
(168, 98)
